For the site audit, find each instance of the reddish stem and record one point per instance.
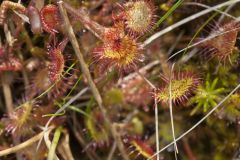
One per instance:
(188, 150)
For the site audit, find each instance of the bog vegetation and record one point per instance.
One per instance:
(119, 80)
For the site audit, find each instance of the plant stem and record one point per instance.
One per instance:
(64, 147)
(145, 79)
(156, 123)
(92, 85)
(7, 93)
(188, 150)
(22, 145)
(110, 155)
(164, 63)
(57, 134)
(77, 133)
(171, 112)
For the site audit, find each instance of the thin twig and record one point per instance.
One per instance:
(24, 73)
(145, 79)
(198, 123)
(110, 155)
(23, 145)
(7, 93)
(165, 66)
(77, 133)
(125, 122)
(92, 85)
(188, 150)
(91, 155)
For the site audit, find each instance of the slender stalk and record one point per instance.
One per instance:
(188, 150)
(7, 93)
(24, 73)
(164, 63)
(110, 155)
(145, 79)
(77, 133)
(171, 113)
(56, 137)
(23, 145)
(156, 123)
(64, 148)
(86, 72)
(48, 142)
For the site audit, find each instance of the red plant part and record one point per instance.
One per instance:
(10, 64)
(34, 19)
(56, 66)
(54, 76)
(221, 47)
(118, 50)
(2, 51)
(183, 85)
(50, 18)
(139, 16)
(6, 5)
(141, 147)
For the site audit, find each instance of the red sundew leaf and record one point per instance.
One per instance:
(50, 18)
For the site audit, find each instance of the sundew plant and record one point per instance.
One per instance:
(119, 80)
